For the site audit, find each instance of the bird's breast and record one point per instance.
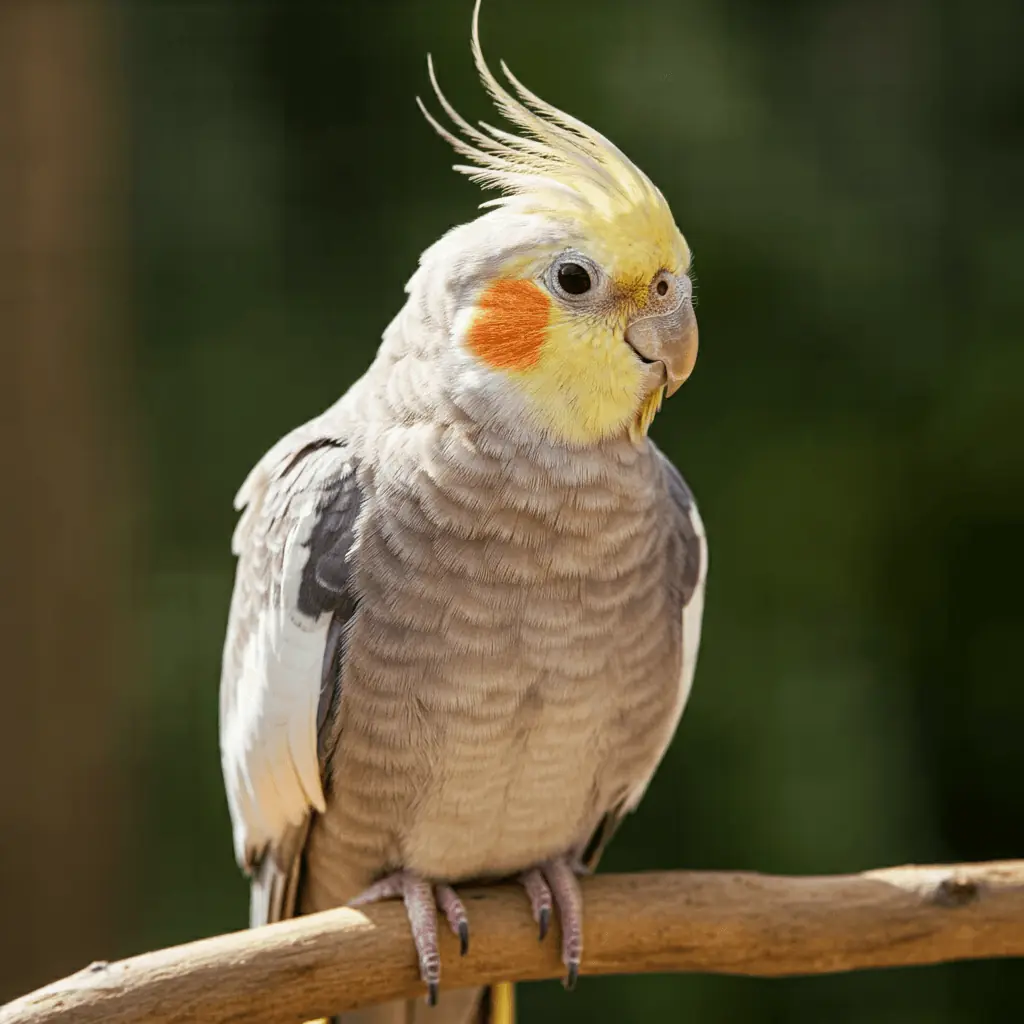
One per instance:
(509, 625)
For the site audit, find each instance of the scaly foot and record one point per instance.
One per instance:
(555, 881)
(551, 884)
(421, 903)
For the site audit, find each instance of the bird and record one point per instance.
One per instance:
(468, 596)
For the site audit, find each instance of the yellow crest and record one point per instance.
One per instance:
(558, 166)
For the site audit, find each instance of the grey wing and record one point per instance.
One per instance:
(293, 594)
(688, 555)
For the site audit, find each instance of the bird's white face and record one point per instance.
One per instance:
(589, 340)
(588, 317)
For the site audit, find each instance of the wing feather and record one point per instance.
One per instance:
(277, 645)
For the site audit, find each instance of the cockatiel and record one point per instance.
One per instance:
(468, 597)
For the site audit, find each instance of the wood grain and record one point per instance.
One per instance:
(733, 923)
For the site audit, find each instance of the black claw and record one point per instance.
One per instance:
(545, 920)
(463, 938)
(431, 993)
(570, 978)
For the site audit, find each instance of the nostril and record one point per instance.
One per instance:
(662, 287)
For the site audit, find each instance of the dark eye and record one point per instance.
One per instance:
(573, 279)
(662, 287)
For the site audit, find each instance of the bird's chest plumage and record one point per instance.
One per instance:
(510, 659)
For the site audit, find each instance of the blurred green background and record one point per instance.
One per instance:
(209, 210)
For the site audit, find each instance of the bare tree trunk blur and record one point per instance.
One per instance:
(62, 500)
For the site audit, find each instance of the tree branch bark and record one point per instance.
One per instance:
(730, 923)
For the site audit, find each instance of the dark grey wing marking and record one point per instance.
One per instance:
(328, 586)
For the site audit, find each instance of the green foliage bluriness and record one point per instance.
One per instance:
(849, 176)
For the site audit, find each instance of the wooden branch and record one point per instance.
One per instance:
(684, 921)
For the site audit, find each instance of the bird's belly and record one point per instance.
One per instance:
(509, 796)
(490, 682)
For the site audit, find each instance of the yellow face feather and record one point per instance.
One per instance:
(584, 380)
(586, 383)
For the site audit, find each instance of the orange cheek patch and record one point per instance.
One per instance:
(510, 325)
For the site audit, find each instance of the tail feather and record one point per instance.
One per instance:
(275, 879)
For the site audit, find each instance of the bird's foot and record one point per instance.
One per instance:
(555, 882)
(422, 900)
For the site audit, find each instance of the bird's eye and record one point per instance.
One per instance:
(573, 278)
(662, 287)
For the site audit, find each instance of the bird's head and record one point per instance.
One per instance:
(569, 303)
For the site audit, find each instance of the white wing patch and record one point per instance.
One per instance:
(273, 654)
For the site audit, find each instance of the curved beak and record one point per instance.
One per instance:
(667, 338)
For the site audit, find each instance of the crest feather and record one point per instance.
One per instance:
(559, 163)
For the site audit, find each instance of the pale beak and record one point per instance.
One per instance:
(668, 338)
